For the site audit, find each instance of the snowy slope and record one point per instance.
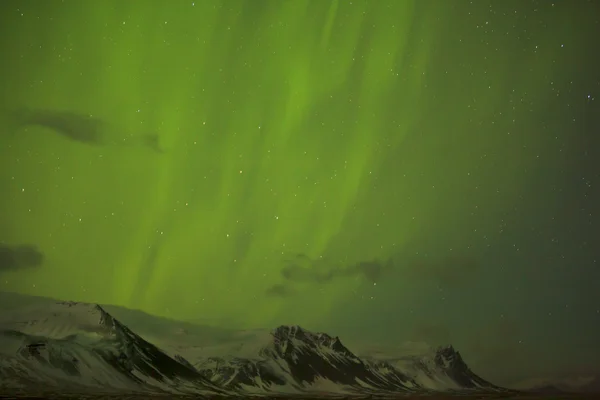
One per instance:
(76, 347)
(47, 345)
(442, 369)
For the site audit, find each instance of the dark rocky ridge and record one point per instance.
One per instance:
(309, 357)
(293, 360)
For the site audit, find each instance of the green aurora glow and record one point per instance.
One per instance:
(328, 132)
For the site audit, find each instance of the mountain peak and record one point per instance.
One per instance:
(94, 315)
(447, 357)
(85, 346)
(285, 333)
(289, 330)
(297, 331)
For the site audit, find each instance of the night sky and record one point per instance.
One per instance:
(393, 172)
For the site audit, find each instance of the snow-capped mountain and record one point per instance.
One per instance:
(291, 359)
(76, 347)
(441, 369)
(295, 359)
(70, 346)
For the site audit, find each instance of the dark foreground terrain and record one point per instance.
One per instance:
(524, 396)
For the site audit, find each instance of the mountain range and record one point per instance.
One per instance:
(67, 347)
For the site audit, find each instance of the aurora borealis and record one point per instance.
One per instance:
(402, 170)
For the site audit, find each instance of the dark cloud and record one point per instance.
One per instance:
(448, 271)
(371, 270)
(19, 257)
(302, 269)
(299, 268)
(77, 127)
(452, 270)
(82, 128)
(279, 290)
